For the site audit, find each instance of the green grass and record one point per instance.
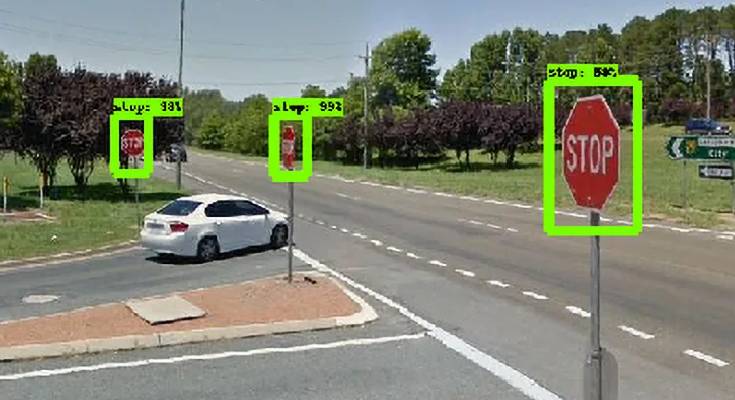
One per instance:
(709, 200)
(100, 216)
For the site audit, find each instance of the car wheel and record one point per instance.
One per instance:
(208, 249)
(279, 236)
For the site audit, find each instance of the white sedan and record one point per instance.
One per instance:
(206, 225)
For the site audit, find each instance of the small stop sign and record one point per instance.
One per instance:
(288, 147)
(132, 143)
(591, 150)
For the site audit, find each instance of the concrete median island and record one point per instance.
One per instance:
(253, 308)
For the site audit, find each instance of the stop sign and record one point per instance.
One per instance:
(591, 149)
(288, 147)
(132, 143)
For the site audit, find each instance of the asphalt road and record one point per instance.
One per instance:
(477, 299)
(666, 295)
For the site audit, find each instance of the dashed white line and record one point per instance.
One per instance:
(706, 358)
(376, 242)
(499, 283)
(470, 198)
(473, 222)
(414, 256)
(320, 222)
(682, 230)
(437, 262)
(394, 249)
(334, 227)
(417, 191)
(519, 205)
(534, 295)
(578, 311)
(726, 237)
(465, 272)
(442, 194)
(512, 230)
(636, 332)
(344, 230)
(360, 235)
(494, 226)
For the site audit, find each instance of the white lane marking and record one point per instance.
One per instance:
(624, 222)
(392, 187)
(728, 232)
(682, 230)
(320, 222)
(535, 295)
(334, 227)
(512, 230)
(706, 358)
(465, 272)
(513, 377)
(44, 373)
(493, 201)
(636, 332)
(578, 311)
(499, 283)
(605, 219)
(470, 198)
(442, 194)
(518, 205)
(650, 225)
(414, 256)
(344, 230)
(437, 262)
(473, 222)
(417, 191)
(360, 235)
(376, 242)
(345, 196)
(394, 249)
(726, 237)
(368, 183)
(39, 298)
(701, 230)
(494, 226)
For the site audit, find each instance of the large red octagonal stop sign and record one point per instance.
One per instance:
(591, 148)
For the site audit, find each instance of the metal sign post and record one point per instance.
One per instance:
(732, 184)
(6, 183)
(685, 186)
(290, 232)
(288, 149)
(595, 355)
(40, 191)
(137, 196)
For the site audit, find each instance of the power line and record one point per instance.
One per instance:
(175, 39)
(284, 83)
(161, 52)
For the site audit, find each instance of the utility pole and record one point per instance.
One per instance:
(366, 155)
(181, 89)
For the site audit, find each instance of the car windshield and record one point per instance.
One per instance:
(179, 207)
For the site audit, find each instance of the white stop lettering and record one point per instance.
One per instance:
(589, 153)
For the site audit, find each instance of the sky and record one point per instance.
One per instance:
(243, 47)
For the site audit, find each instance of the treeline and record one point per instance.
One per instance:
(48, 114)
(492, 99)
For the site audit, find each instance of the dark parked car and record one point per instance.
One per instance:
(706, 126)
(176, 152)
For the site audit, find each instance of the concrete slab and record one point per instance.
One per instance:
(166, 309)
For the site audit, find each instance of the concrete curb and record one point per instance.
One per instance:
(64, 257)
(365, 315)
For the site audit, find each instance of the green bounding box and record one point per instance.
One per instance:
(297, 109)
(139, 109)
(549, 139)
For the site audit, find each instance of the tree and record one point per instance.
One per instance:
(401, 72)
(212, 134)
(247, 132)
(10, 99)
(313, 91)
(40, 137)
